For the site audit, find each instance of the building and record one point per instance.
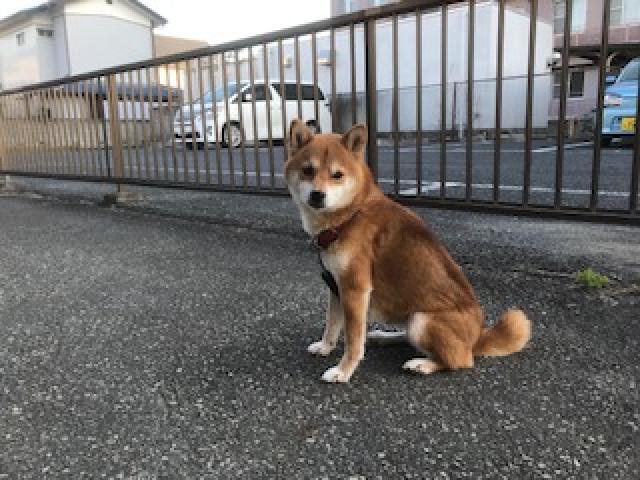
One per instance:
(515, 65)
(69, 37)
(584, 50)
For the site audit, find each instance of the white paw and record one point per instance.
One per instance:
(320, 348)
(422, 365)
(335, 375)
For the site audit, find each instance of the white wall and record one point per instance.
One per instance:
(97, 42)
(19, 62)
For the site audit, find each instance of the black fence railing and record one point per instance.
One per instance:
(459, 98)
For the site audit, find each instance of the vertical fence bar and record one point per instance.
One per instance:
(134, 125)
(470, 77)
(185, 167)
(93, 115)
(352, 59)
(597, 140)
(418, 103)
(142, 100)
(71, 167)
(170, 121)
(75, 95)
(41, 145)
(394, 105)
(254, 116)
(226, 129)
(635, 165)
(203, 119)
(44, 131)
(314, 61)
(88, 102)
(114, 123)
(371, 96)
(283, 101)
(298, 87)
(84, 125)
(241, 122)
(214, 102)
(106, 165)
(152, 136)
(562, 111)
(334, 95)
(127, 122)
(533, 20)
(443, 102)
(192, 124)
(160, 122)
(28, 131)
(498, 122)
(267, 91)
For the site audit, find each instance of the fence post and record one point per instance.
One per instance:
(371, 95)
(117, 152)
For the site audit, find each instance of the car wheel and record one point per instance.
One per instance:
(605, 141)
(231, 135)
(312, 125)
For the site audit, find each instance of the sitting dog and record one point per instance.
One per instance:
(383, 264)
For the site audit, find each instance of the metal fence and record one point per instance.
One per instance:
(216, 118)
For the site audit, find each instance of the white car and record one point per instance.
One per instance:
(231, 130)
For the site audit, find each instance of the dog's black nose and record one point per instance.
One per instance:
(316, 198)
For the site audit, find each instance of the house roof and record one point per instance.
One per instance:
(24, 15)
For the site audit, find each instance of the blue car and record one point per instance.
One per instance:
(620, 103)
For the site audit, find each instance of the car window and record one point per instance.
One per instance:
(291, 91)
(630, 72)
(307, 93)
(260, 93)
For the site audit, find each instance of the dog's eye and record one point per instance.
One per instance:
(308, 170)
(337, 175)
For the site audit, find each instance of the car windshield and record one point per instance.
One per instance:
(630, 72)
(219, 93)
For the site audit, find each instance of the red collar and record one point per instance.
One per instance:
(326, 237)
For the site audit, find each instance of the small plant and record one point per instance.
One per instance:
(592, 279)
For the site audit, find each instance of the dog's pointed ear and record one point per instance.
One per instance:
(299, 135)
(355, 139)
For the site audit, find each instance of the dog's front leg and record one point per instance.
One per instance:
(332, 328)
(355, 303)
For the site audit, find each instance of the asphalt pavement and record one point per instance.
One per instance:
(167, 340)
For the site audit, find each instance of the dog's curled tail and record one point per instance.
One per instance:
(509, 335)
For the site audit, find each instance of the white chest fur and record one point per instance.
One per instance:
(336, 261)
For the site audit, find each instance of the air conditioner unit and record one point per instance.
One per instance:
(554, 60)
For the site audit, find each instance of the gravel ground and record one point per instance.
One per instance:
(167, 340)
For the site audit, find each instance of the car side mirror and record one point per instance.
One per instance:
(610, 79)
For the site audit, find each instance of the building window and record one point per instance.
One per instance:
(624, 12)
(575, 86)
(576, 83)
(578, 15)
(45, 32)
(20, 38)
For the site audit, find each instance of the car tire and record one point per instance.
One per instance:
(313, 126)
(236, 135)
(605, 141)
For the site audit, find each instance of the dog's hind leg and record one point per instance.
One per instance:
(431, 332)
(332, 328)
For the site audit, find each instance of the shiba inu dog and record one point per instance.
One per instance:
(383, 264)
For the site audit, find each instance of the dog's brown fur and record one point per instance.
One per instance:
(388, 264)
